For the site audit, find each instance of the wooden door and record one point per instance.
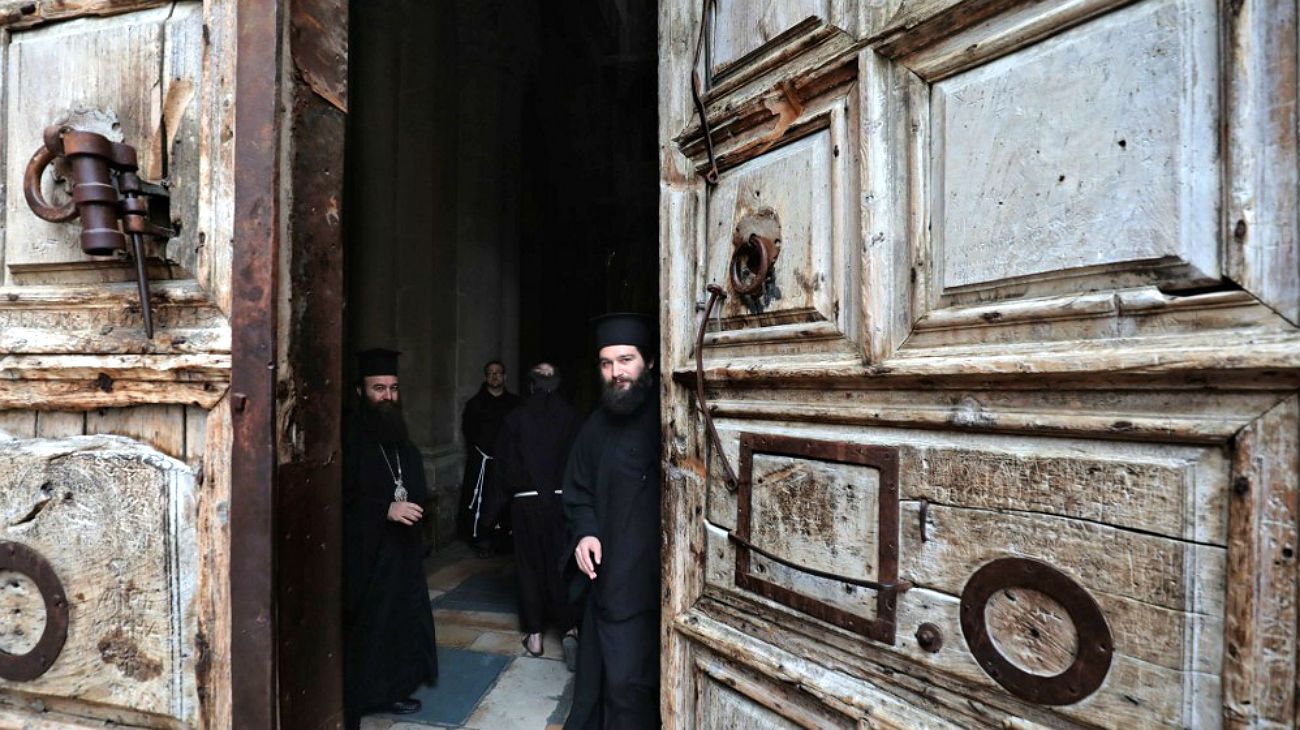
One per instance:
(1013, 417)
(151, 488)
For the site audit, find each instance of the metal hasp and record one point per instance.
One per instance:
(888, 586)
(109, 196)
(1092, 657)
(19, 558)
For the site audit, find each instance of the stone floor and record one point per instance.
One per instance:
(496, 685)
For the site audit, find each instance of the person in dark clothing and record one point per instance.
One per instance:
(611, 509)
(389, 648)
(480, 424)
(531, 455)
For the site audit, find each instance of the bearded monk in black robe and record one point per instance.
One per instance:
(389, 648)
(611, 507)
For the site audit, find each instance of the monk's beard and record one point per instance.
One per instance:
(625, 401)
(383, 421)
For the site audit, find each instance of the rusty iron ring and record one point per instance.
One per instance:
(23, 559)
(1095, 648)
(756, 283)
(51, 148)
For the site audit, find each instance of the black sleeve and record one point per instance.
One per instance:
(580, 492)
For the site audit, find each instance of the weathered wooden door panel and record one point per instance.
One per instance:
(1026, 186)
(1028, 227)
(117, 523)
(143, 93)
(133, 524)
(142, 528)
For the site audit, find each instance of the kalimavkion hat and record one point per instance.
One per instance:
(623, 328)
(377, 361)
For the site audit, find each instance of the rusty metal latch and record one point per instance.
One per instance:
(715, 293)
(107, 194)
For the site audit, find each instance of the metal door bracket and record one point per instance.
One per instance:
(109, 197)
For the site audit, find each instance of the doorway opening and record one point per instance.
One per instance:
(501, 191)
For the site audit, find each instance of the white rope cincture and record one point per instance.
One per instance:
(534, 494)
(476, 502)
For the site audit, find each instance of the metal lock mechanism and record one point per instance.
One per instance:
(107, 194)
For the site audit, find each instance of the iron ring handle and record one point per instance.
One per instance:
(41, 159)
(760, 276)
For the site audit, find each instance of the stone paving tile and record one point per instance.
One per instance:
(485, 620)
(530, 694)
(525, 697)
(499, 642)
(455, 635)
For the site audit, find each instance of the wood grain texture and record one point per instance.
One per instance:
(1076, 378)
(212, 640)
(1260, 640)
(1260, 223)
(162, 427)
(116, 520)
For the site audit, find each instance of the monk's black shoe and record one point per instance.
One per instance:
(403, 707)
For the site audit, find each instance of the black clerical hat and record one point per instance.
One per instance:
(623, 328)
(377, 361)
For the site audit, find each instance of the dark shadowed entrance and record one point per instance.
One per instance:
(501, 191)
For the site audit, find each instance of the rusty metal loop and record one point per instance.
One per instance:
(715, 293)
(758, 277)
(41, 159)
(22, 559)
(1095, 646)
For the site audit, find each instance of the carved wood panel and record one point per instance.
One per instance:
(1058, 218)
(117, 523)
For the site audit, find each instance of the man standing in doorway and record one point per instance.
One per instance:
(480, 423)
(389, 648)
(611, 508)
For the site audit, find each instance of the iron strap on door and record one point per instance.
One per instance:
(697, 95)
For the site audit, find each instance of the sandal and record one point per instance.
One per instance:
(524, 641)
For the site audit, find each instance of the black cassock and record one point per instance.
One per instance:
(611, 491)
(531, 455)
(389, 648)
(480, 424)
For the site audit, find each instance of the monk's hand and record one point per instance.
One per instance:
(406, 513)
(588, 555)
